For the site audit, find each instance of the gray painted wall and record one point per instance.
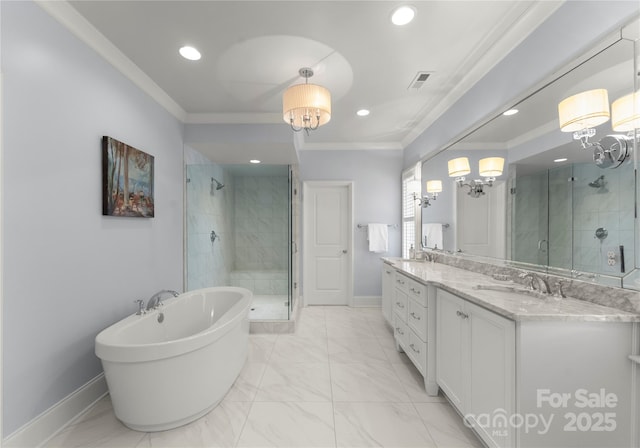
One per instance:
(69, 272)
(572, 30)
(377, 195)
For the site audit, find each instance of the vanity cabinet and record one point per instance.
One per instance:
(412, 330)
(475, 364)
(388, 287)
(533, 383)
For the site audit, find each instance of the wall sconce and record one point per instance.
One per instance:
(625, 113)
(433, 187)
(580, 113)
(489, 168)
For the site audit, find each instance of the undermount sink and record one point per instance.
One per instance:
(512, 289)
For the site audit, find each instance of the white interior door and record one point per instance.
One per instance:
(480, 222)
(327, 261)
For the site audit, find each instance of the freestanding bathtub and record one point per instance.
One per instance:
(174, 364)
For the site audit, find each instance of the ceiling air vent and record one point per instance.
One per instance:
(419, 80)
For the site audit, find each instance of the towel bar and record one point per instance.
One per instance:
(364, 226)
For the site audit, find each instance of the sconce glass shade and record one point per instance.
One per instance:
(625, 113)
(413, 187)
(434, 186)
(306, 100)
(491, 166)
(459, 167)
(584, 110)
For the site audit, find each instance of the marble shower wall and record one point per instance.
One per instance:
(260, 222)
(209, 263)
(530, 218)
(556, 216)
(610, 207)
(560, 238)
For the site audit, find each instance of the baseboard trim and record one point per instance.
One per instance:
(367, 301)
(46, 425)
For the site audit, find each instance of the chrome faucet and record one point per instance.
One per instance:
(536, 279)
(154, 302)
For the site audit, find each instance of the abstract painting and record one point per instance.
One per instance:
(127, 180)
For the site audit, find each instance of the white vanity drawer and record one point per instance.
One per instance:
(400, 304)
(402, 282)
(417, 319)
(401, 331)
(417, 291)
(417, 351)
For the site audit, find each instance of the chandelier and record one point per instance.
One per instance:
(306, 106)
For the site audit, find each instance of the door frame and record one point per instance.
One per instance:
(306, 234)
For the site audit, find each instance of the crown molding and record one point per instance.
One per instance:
(352, 146)
(235, 118)
(64, 13)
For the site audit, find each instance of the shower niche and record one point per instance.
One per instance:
(241, 228)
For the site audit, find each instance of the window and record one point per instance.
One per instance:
(410, 212)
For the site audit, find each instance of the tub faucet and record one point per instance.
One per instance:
(141, 309)
(154, 302)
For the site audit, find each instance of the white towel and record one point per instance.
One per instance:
(378, 237)
(433, 232)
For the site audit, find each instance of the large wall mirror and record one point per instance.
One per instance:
(559, 205)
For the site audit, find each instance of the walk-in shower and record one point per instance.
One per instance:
(251, 215)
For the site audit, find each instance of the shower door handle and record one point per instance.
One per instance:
(540, 247)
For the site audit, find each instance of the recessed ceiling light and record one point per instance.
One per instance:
(560, 160)
(190, 53)
(510, 112)
(363, 112)
(403, 15)
(254, 161)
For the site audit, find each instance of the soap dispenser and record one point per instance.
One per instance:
(412, 253)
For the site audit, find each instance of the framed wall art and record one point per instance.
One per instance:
(127, 180)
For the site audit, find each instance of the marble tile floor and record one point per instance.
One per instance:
(336, 382)
(269, 307)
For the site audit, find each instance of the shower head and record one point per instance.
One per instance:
(219, 186)
(598, 183)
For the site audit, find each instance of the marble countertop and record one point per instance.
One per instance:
(514, 305)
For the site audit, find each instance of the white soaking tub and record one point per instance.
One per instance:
(175, 363)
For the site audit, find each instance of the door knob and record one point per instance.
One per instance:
(344, 251)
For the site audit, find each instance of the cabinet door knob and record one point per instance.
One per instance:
(400, 305)
(414, 348)
(414, 316)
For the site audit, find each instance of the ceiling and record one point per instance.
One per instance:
(252, 51)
